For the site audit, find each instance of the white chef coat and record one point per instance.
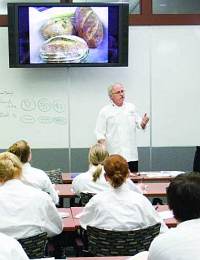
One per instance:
(11, 249)
(26, 211)
(180, 243)
(120, 209)
(40, 180)
(117, 125)
(84, 183)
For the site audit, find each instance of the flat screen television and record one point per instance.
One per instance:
(65, 35)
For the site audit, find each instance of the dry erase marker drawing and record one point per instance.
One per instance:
(45, 120)
(60, 120)
(28, 104)
(27, 119)
(44, 105)
(58, 106)
(7, 107)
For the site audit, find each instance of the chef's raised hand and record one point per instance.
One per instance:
(145, 120)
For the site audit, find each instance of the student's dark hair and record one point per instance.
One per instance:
(116, 168)
(183, 196)
(21, 149)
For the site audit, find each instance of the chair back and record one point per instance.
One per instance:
(85, 197)
(196, 162)
(115, 243)
(55, 176)
(34, 246)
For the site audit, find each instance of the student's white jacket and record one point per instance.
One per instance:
(120, 209)
(11, 249)
(26, 211)
(40, 180)
(180, 243)
(84, 183)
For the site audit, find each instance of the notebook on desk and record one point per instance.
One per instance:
(161, 173)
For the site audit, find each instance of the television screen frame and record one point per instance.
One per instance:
(121, 32)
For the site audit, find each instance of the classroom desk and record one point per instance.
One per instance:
(152, 190)
(68, 223)
(99, 258)
(65, 190)
(145, 178)
(67, 178)
(170, 222)
(155, 189)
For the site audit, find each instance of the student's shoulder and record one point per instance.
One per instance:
(39, 173)
(81, 176)
(37, 193)
(37, 170)
(165, 238)
(101, 196)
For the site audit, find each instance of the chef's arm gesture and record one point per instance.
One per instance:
(144, 121)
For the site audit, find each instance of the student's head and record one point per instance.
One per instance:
(97, 156)
(10, 167)
(183, 196)
(116, 93)
(116, 169)
(22, 150)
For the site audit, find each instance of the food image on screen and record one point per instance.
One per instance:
(57, 26)
(65, 49)
(68, 35)
(89, 26)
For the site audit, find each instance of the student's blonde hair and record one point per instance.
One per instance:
(10, 167)
(21, 149)
(97, 156)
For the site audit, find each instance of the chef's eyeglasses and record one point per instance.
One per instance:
(119, 92)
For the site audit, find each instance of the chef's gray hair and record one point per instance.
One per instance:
(110, 90)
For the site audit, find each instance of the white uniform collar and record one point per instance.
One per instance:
(11, 182)
(114, 105)
(26, 165)
(122, 188)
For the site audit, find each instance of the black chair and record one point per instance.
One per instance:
(196, 163)
(115, 243)
(85, 197)
(55, 176)
(34, 246)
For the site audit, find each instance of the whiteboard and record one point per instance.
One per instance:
(175, 53)
(57, 108)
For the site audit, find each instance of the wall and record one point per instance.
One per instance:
(162, 80)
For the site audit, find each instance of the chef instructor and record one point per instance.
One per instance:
(116, 126)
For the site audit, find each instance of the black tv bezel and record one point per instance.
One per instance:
(14, 45)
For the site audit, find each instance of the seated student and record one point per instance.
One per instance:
(119, 208)
(182, 242)
(11, 249)
(25, 211)
(30, 175)
(93, 181)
